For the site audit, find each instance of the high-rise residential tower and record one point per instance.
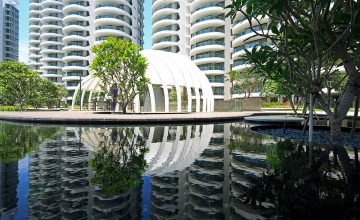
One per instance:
(200, 29)
(62, 33)
(9, 30)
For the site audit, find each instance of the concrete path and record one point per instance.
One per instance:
(275, 119)
(77, 117)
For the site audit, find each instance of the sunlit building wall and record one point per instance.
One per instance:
(9, 30)
(63, 32)
(200, 29)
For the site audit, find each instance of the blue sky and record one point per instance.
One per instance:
(24, 28)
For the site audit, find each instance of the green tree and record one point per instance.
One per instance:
(47, 93)
(18, 141)
(309, 40)
(120, 160)
(17, 83)
(245, 80)
(121, 68)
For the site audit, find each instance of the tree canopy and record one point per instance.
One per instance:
(17, 83)
(310, 42)
(245, 81)
(119, 161)
(21, 86)
(121, 69)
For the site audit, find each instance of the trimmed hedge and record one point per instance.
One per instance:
(273, 104)
(9, 108)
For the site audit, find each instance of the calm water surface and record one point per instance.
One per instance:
(221, 171)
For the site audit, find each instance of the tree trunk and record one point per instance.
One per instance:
(356, 114)
(335, 126)
(311, 118)
(351, 90)
(292, 104)
(124, 109)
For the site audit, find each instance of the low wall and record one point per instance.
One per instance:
(238, 105)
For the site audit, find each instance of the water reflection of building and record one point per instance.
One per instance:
(60, 184)
(194, 175)
(8, 185)
(214, 186)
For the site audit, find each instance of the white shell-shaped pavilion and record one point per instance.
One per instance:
(173, 78)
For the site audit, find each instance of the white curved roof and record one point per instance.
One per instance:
(173, 69)
(164, 68)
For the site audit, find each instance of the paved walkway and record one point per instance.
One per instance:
(274, 119)
(77, 117)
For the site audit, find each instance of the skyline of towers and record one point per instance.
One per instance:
(200, 30)
(9, 30)
(62, 32)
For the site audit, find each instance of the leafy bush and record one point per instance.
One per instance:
(273, 104)
(9, 108)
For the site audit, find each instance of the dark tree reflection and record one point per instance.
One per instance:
(308, 182)
(119, 162)
(17, 141)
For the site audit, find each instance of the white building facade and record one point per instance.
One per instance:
(62, 33)
(199, 29)
(9, 30)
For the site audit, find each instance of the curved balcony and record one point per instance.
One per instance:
(33, 5)
(34, 34)
(47, 67)
(71, 28)
(241, 67)
(241, 38)
(47, 19)
(74, 68)
(209, 60)
(47, 51)
(49, 35)
(45, 75)
(206, 12)
(34, 64)
(74, 7)
(34, 56)
(70, 18)
(51, 43)
(33, 19)
(69, 48)
(164, 11)
(111, 21)
(205, 48)
(162, 23)
(46, 11)
(34, 49)
(206, 36)
(164, 44)
(70, 78)
(157, 3)
(47, 3)
(111, 10)
(111, 32)
(45, 27)
(50, 59)
(69, 38)
(206, 24)
(33, 13)
(74, 58)
(33, 27)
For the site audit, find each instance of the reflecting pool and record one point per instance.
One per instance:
(212, 171)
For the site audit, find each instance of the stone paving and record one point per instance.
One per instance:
(77, 117)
